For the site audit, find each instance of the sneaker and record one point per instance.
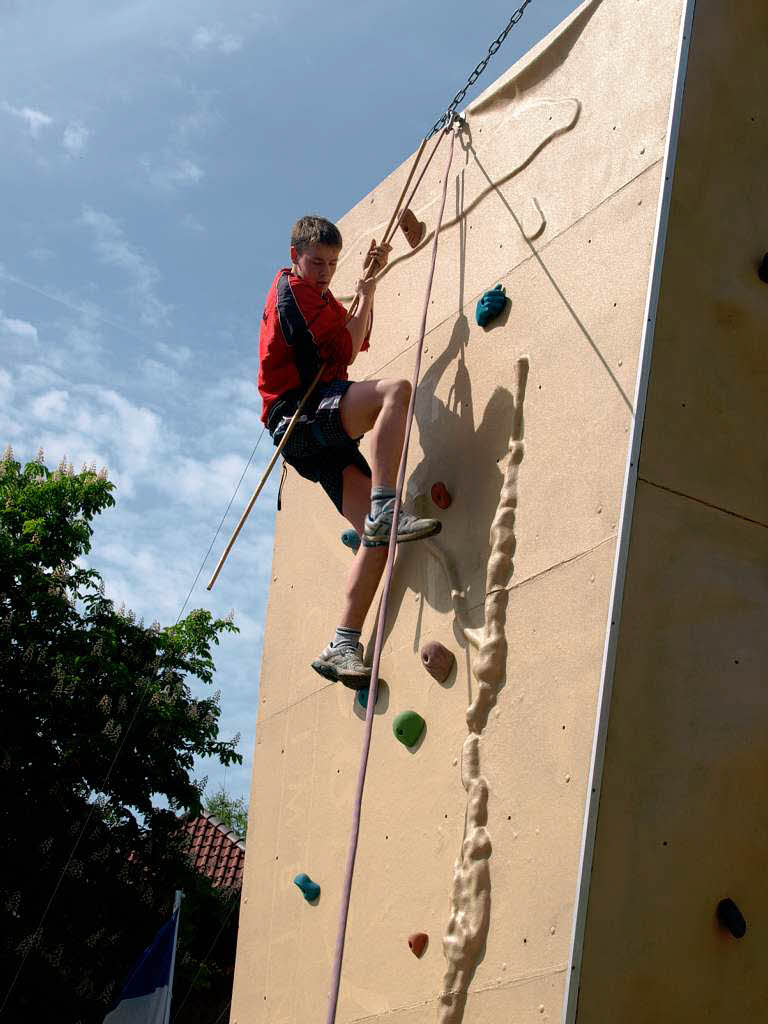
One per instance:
(376, 531)
(344, 665)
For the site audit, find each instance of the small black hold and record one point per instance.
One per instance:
(730, 917)
(762, 271)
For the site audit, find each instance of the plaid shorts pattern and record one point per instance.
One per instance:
(319, 448)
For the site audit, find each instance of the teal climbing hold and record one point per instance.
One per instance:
(490, 305)
(362, 697)
(351, 539)
(310, 889)
(408, 727)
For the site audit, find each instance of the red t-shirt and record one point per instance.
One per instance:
(301, 328)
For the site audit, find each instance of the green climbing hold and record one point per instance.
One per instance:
(490, 305)
(351, 539)
(408, 727)
(310, 889)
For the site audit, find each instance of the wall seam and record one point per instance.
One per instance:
(702, 501)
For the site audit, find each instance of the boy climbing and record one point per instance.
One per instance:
(304, 327)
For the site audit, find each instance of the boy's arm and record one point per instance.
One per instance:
(365, 290)
(359, 325)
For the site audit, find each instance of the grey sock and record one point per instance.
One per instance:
(379, 497)
(344, 637)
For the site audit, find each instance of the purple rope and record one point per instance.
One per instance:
(374, 686)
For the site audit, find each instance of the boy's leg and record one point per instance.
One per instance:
(381, 406)
(368, 564)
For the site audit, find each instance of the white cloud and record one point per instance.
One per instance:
(180, 354)
(41, 254)
(35, 120)
(51, 405)
(225, 43)
(75, 138)
(113, 249)
(17, 328)
(173, 172)
(202, 483)
(6, 387)
(160, 375)
(191, 223)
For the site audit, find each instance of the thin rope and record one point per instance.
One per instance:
(382, 614)
(221, 523)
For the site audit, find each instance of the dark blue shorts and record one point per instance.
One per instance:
(319, 448)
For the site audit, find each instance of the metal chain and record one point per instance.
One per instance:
(440, 123)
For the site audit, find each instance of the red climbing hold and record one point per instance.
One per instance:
(440, 495)
(418, 942)
(437, 660)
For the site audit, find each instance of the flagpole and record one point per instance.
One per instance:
(177, 911)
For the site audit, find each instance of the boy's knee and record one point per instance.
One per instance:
(400, 391)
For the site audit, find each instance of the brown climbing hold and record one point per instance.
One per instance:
(413, 229)
(418, 942)
(437, 660)
(440, 495)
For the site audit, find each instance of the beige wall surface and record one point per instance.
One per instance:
(682, 821)
(555, 195)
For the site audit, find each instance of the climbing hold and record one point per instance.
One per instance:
(413, 229)
(351, 539)
(440, 495)
(362, 696)
(310, 889)
(762, 272)
(730, 917)
(490, 305)
(437, 660)
(418, 942)
(408, 727)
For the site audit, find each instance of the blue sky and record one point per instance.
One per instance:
(153, 157)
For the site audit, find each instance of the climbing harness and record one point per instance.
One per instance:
(382, 612)
(454, 104)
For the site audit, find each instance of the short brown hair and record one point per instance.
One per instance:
(313, 230)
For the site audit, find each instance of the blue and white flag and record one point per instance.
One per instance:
(146, 996)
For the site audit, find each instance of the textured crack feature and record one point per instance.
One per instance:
(467, 930)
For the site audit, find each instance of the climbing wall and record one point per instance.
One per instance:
(472, 835)
(681, 820)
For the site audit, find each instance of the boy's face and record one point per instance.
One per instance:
(317, 264)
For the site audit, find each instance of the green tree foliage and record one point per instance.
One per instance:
(98, 735)
(231, 811)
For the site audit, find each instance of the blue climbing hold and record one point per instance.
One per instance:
(310, 889)
(490, 305)
(351, 539)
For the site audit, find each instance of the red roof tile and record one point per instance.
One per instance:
(216, 850)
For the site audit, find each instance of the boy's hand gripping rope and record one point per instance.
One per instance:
(382, 615)
(370, 272)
